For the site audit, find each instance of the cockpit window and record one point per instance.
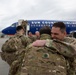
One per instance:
(14, 25)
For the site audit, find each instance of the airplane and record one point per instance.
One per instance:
(35, 25)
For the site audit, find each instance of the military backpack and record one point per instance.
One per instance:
(12, 44)
(42, 61)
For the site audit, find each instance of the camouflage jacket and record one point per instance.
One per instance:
(33, 38)
(67, 47)
(13, 47)
(70, 40)
(40, 61)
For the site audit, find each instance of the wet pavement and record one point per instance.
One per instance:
(4, 67)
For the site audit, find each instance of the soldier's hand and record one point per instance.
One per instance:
(39, 43)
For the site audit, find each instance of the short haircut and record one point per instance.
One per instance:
(36, 32)
(19, 28)
(45, 30)
(60, 25)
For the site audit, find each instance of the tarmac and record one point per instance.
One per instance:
(4, 67)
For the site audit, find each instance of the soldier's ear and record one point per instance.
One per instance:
(65, 33)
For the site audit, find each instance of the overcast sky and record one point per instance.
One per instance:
(13, 10)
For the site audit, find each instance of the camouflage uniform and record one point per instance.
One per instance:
(43, 60)
(33, 38)
(71, 42)
(16, 44)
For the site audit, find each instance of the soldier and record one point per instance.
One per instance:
(13, 46)
(43, 60)
(58, 32)
(37, 34)
(24, 25)
(32, 37)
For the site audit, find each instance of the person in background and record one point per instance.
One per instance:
(37, 34)
(30, 34)
(32, 37)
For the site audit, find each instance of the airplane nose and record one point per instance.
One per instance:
(4, 31)
(9, 31)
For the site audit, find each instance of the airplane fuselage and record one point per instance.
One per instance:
(35, 25)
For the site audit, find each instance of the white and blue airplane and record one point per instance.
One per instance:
(35, 25)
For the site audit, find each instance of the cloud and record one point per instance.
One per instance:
(13, 10)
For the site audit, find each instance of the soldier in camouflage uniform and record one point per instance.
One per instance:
(43, 60)
(24, 25)
(37, 34)
(32, 37)
(58, 32)
(14, 45)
